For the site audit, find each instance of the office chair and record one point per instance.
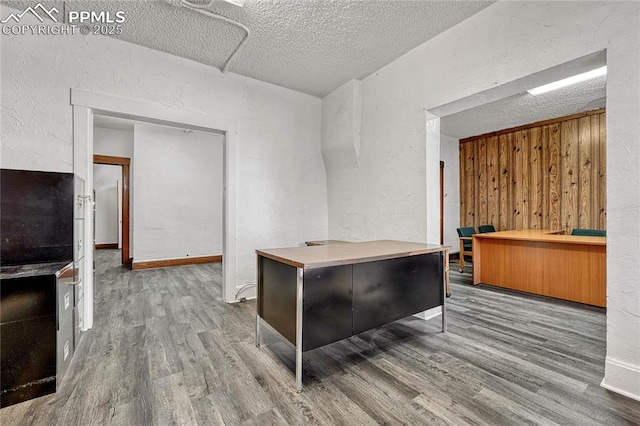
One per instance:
(466, 245)
(486, 228)
(589, 232)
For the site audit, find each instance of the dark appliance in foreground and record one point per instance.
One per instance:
(37, 282)
(36, 217)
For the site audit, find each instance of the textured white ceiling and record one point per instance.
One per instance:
(524, 108)
(313, 46)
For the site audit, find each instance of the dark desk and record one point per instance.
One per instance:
(321, 294)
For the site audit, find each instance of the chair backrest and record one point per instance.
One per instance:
(486, 228)
(589, 232)
(466, 231)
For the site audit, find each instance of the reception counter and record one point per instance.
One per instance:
(543, 262)
(321, 294)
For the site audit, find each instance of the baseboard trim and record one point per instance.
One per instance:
(106, 246)
(429, 313)
(454, 256)
(622, 377)
(148, 264)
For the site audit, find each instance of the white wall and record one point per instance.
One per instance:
(118, 143)
(281, 182)
(179, 180)
(505, 42)
(113, 142)
(340, 151)
(449, 153)
(106, 183)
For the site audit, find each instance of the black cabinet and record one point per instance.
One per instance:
(36, 282)
(327, 306)
(36, 217)
(28, 329)
(388, 290)
(36, 329)
(340, 301)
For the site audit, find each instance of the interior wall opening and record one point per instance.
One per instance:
(509, 106)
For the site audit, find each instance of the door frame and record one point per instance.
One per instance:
(85, 104)
(125, 164)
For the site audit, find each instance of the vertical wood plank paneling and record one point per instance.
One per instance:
(594, 128)
(603, 172)
(463, 182)
(493, 182)
(516, 182)
(525, 178)
(535, 173)
(470, 182)
(569, 167)
(555, 178)
(481, 213)
(504, 154)
(584, 172)
(545, 177)
(476, 212)
(549, 175)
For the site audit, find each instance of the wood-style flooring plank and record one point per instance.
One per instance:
(165, 349)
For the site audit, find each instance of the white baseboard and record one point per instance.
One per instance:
(430, 313)
(622, 377)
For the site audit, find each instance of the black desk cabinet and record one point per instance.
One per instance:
(28, 338)
(36, 329)
(330, 294)
(36, 291)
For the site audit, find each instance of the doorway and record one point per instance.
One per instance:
(86, 104)
(124, 164)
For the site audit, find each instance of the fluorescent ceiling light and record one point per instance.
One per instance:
(569, 81)
(239, 3)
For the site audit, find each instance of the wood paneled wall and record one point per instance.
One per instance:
(546, 175)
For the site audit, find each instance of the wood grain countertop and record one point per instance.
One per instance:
(347, 253)
(543, 235)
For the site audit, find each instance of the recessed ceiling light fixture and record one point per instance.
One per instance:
(569, 81)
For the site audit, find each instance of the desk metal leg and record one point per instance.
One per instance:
(258, 285)
(444, 293)
(258, 336)
(299, 290)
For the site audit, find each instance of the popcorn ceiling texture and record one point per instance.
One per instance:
(313, 46)
(525, 108)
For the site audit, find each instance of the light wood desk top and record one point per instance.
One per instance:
(347, 253)
(324, 242)
(543, 235)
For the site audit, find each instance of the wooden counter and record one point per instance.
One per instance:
(542, 262)
(318, 295)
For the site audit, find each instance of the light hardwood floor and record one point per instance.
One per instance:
(165, 349)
